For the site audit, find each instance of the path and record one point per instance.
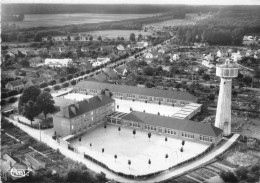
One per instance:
(46, 138)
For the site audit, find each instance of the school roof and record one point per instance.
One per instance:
(179, 95)
(174, 123)
(84, 106)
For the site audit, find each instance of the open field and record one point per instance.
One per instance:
(138, 149)
(125, 105)
(173, 22)
(113, 34)
(47, 20)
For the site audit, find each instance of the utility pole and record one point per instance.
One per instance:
(40, 132)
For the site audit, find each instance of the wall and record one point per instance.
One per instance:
(61, 126)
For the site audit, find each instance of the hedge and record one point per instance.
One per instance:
(64, 85)
(43, 85)
(36, 126)
(62, 80)
(57, 87)
(69, 77)
(52, 82)
(13, 93)
(47, 89)
(4, 95)
(12, 100)
(3, 102)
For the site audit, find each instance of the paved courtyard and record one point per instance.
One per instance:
(125, 105)
(136, 148)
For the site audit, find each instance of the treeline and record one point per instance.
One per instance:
(13, 17)
(100, 8)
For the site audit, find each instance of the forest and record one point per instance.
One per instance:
(226, 28)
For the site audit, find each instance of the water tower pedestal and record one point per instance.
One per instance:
(226, 72)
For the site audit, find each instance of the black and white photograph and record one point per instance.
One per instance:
(130, 91)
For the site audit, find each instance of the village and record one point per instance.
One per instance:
(152, 59)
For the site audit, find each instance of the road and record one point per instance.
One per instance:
(46, 137)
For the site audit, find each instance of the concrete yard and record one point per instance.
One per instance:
(138, 149)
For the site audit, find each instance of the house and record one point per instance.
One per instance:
(250, 40)
(15, 85)
(112, 74)
(8, 163)
(37, 81)
(207, 63)
(30, 160)
(175, 57)
(120, 48)
(58, 62)
(101, 77)
(149, 55)
(209, 57)
(166, 68)
(161, 51)
(140, 45)
(219, 54)
(236, 56)
(79, 117)
(35, 61)
(48, 74)
(103, 60)
(121, 70)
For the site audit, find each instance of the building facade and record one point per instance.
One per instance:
(167, 126)
(76, 118)
(151, 95)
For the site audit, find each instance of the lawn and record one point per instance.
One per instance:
(136, 148)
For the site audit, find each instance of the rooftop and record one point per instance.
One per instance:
(84, 106)
(174, 123)
(16, 82)
(137, 90)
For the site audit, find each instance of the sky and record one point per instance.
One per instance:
(188, 2)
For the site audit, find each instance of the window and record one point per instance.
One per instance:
(130, 124)
(142, 97)
(187, 135)
(206, 138)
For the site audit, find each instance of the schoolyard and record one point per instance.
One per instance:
(136, 148)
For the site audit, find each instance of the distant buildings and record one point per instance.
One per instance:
(58, 62)
(100, 61)
(15, 85)
(251, 40)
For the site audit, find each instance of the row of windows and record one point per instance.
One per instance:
(150, 127)
(187, 135)
(171, 101)
(93, 91)
(143, 97)
(118, 94)
(158, 99)
(206, 139)
(136, 125)
(130, 95)
(169, 131)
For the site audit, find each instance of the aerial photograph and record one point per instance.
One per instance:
(130, 91)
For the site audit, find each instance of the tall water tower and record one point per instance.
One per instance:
(226, 72)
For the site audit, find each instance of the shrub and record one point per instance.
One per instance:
(52, 82)
(228, 176)
(82, 73)
(57, 87)
(62, 80)
(73, 82)
(21, 91)
(3, 102)
(12, 99)
(47, 89)
(64, 85)
(4, 95)
(12, 93)
(69, 77)
(43, 85)
(241, 172)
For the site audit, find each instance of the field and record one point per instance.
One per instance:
(48, 20)
(125, 105)
(136, 148)
(115, 33)
(173, 22)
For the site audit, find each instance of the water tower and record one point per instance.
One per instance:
(226, 72)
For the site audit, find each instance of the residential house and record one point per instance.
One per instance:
(112, 74)
(35, 61)
(161, 51)
(175, 58)
(207, 63)
(121, 70)
(140, 45)
(149, 55)
(79, 117)
(48, 74)
(236, 56)
(37, 81)
(120, 48)
(31, 161)
(58, 62)
(101, 77)
(15, 85)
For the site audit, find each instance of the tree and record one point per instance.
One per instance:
(148, 71)
(115, 157)
(100, 38)
(140, 37)
(119, 129)
(79, 139)
(52, 82)
(166, 140)
(25, 63)
(3, 102)
(29, 94)
(31, 110)
(149, 162)
(90, 38)
(73, 82)
(47, 89)
(103, 150)
(132, 37)
(62, 80)
(149, 135)
(241, 173)
(64, 85)
(206, 77)
(68, 38)
(57, 87)
(129, 163)
(43, 85)
(183, 142)
(90, 145)
(181, 149)
(105, 126)
(69, 77)
(46, 103)
(134, 132)
(12, 100)
(228, 176)
(12, 93)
